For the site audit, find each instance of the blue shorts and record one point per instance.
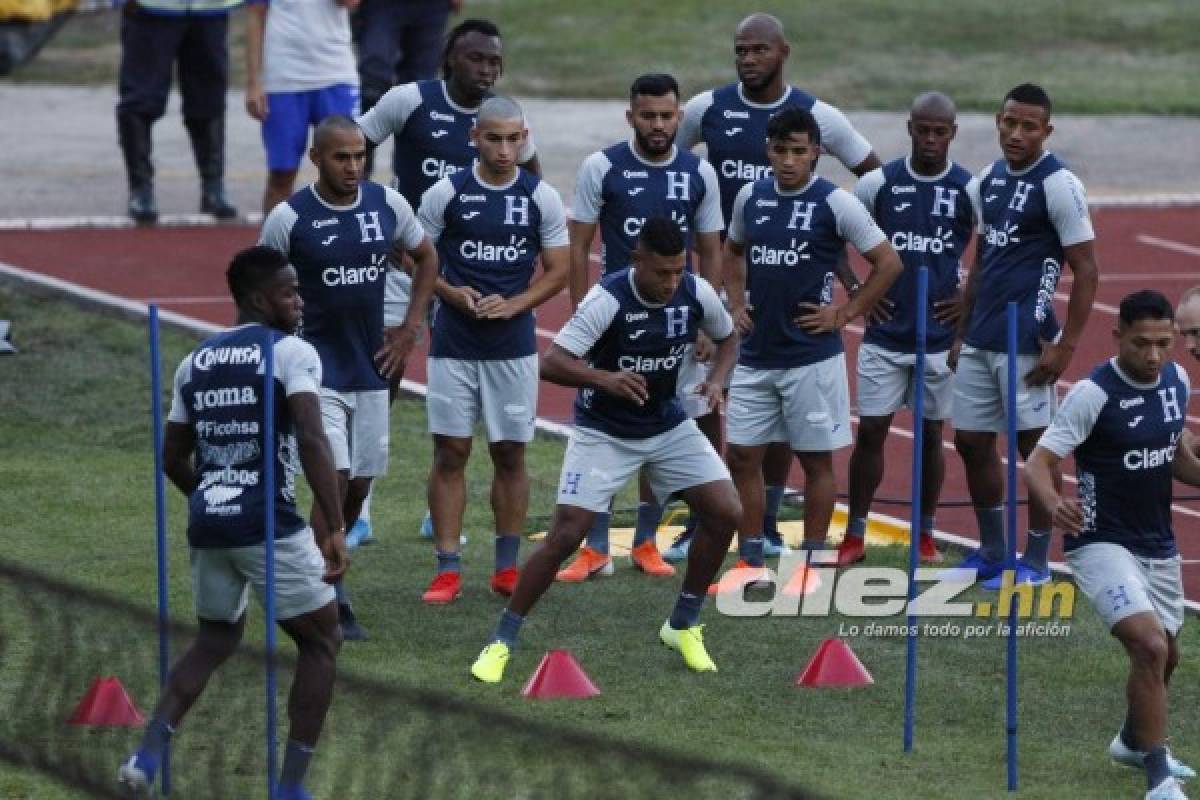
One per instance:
(290, 114)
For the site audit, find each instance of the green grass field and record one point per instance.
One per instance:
(75, 477)
(1097, 56)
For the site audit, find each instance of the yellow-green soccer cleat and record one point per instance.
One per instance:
(489, 667)
(690, 644)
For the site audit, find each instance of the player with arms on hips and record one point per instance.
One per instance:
(213, 451)
(731, 122)
(617, 188)
(786, 236)
(922, 205)
(431, 122)
(1125, 424)
(1033, 218)
(339, 233)
(623, 348)
(491, 224)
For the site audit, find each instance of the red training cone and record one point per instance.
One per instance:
(559, 675)
(834, 664)
(107, 703)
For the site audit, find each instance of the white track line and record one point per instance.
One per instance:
(1167, 244)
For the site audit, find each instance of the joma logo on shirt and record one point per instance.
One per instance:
(228, 396)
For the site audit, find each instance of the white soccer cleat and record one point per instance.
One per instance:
(1167, 790)
(1122, 755)
(133, 780)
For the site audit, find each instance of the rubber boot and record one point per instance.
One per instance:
(133, 134)
(208, 145)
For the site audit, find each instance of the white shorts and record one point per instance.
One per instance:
(596, 466)
(396, 293)
(887, 379)
(981, 393)
(356, 424)
(808, 407)
(1120, 584)
(503, 392)
(222, 576)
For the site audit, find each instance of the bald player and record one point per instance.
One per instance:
(922, 204)
(731, 121)
(491, 223)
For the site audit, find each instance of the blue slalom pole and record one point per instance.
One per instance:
(160, 523)
(1010, 520)
(914, 535)
(269, 454)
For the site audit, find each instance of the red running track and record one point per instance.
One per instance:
(182, 269)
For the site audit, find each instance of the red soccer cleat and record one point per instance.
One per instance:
(927, 549)
(504, 581)
(445, 588)
(852, 550)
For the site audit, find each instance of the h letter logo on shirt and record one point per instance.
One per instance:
(944, 198)
(1020, 195)
(677, 180)
(513, 209)
(371, 231)
(677, 318)
(1170, 404)
(804, 211)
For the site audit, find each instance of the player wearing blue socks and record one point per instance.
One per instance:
(216, 414)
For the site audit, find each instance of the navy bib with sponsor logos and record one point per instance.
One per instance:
(651, 341)
(735, 134)
(434, 142)
(341, 257)
(491, 242)
(929, 223)
(1021, 259)
(223, 396)
(792, 246)
(634, 191)
(1124, 465)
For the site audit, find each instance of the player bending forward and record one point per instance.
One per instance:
(623, 350)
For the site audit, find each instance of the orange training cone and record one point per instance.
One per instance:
(834, 664)
(107, 703)
(559, 675)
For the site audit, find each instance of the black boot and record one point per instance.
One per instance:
(208, 144)
(133, 133)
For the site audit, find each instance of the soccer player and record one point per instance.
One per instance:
(299, 69)
(339, 233)
(623, 348)
(731, 121)
(922, 205)
(213, 451)
(1033, 218)
(617, 188)
(1124, 424)
(786, 236)
(1187, 318)
(491, 223)
(431, 121)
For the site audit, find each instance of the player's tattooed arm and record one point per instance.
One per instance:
(560, 366)
(179, 441)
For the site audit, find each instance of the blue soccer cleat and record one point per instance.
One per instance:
(136, 776)
(360, 534)
(985, 568)
(1024, 574)
(291, 791)
(773, 545)
(678, 551)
